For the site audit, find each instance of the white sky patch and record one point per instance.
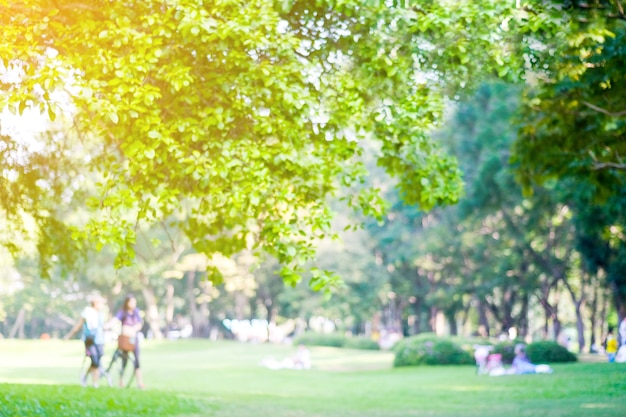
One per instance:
(25, 128)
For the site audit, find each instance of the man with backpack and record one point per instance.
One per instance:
(92, 323)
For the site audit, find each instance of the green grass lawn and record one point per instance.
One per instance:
(225, 379)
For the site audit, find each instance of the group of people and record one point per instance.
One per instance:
(491, 363)
(93, 325)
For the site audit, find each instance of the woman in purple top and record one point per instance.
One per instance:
(131, 321)
(521, 364)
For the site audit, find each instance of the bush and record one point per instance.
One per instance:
(549, 352)
(507, 350)
(335, 340)
(363, 343)
(418, 338)
(320, 339)
(428, 350)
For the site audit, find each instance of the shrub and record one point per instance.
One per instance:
(507, 350)
(418, 338)
(549, 352)
(423, 350)
(320, 339)
(335, 340)
(361, 343)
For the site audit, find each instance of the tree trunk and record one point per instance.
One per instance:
(18, 326)
(417, 311)
(452, 323)
(556, 326)
(580, 327)
(270, 311)
(578, 303)
(152, 310)
(169, 304)
(204, 312)
(551, 315)
(550, 311)
(603, 314)
(240, 305)
(466, 311)
(399, 323)
(556, 321)
(191, 301)
(523, 317)
(433, 319)
(593, 312)
(483, 321)
(617, 300)
(508, 300)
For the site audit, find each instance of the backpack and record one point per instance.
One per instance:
(90, 333)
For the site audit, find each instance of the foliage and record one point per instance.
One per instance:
(320, 339)
(599, 237)
(363, 343)
(494, 249)
(241, 120)
(238, 120)
(243, 124)
(506, 349)
(573, 123)
(335, 340)
(72, 401)
(548, 351)
(414, 351)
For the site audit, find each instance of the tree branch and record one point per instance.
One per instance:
(620, 8)
(603, 165)
(604, 111)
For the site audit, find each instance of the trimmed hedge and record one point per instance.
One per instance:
(549, 352)
(430, 350)
(335, 340)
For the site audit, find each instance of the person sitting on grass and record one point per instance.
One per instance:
(302, 358)
(523, 365)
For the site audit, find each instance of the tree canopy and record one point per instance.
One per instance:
(235, 120)
(574, 123)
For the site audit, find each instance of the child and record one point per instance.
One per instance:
(611, 346)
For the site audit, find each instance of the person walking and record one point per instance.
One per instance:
(130, 318)
(92, 324)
